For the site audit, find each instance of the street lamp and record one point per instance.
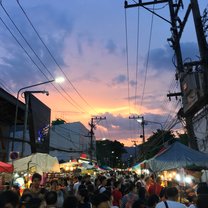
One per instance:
(161, 127)
(140, 119)
(112, 158)
(58, 80)
(143, 122)
(154, 122)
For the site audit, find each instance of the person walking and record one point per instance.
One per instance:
(155, 188)
(117, 195)
(9, 199)
(130, 198)
(171, 202)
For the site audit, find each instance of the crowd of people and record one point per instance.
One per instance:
(105, 191)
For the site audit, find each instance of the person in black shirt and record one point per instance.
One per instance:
(83, 198)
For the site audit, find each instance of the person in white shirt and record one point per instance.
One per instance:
(171, 202)
(103, 181)
(77, 184)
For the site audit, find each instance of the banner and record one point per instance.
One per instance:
(39, 125)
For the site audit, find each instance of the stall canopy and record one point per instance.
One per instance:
(105, 167)
(6, 168)
(177, 156)
(39, 162)
(140, 165)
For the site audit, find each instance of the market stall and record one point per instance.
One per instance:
(140, 168)
(180, 166)
(6, 171)
(38, 162)
(177, 156)
(6, 168)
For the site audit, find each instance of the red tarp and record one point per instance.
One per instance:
(7, 168)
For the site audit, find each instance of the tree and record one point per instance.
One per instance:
(109, 153)
(158, 141)
(184, 138)
(155, 143)
(58, 121)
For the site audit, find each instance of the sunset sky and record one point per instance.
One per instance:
(95, 47)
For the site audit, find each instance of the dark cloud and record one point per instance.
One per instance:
(111, 47)
(15, 64)
(121, 79)
(161, 58)
(84, 38)
(155, 120)
(125, 127)
(115, 122)
(190, 51)
(133, 83)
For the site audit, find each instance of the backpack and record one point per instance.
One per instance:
(130, 200)
(98, 190)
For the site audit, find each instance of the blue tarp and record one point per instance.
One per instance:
(177, 156)
(105, 167)
(138, 165)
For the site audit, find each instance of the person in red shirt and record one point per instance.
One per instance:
(156, 187)
(117, 195)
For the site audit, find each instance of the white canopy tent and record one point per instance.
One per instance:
(40, 162)
(177, 156)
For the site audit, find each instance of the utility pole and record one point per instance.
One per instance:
(140, 119)
(180, 71)
(94, 121)
(194, 93)
(203, 47)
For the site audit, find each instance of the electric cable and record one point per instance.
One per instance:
(33, 60)
(137, 56)
(127, 58)
(75, 104)
(52, 56)
(76, 145)
(7, 88)
(147, 60)
(70, 130)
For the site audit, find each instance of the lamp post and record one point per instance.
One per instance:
(17, 104)
(154, 122)
(143, 122)
(140, 119)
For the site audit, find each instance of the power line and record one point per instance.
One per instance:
(167, 125)
(23, 48)
(127, 58)
(127, 66)
(76, 145)
(75, 104)
(77, 133)
(4, 85)
(147, 61)
(52, 56)
(32, 59)
(137, 56)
